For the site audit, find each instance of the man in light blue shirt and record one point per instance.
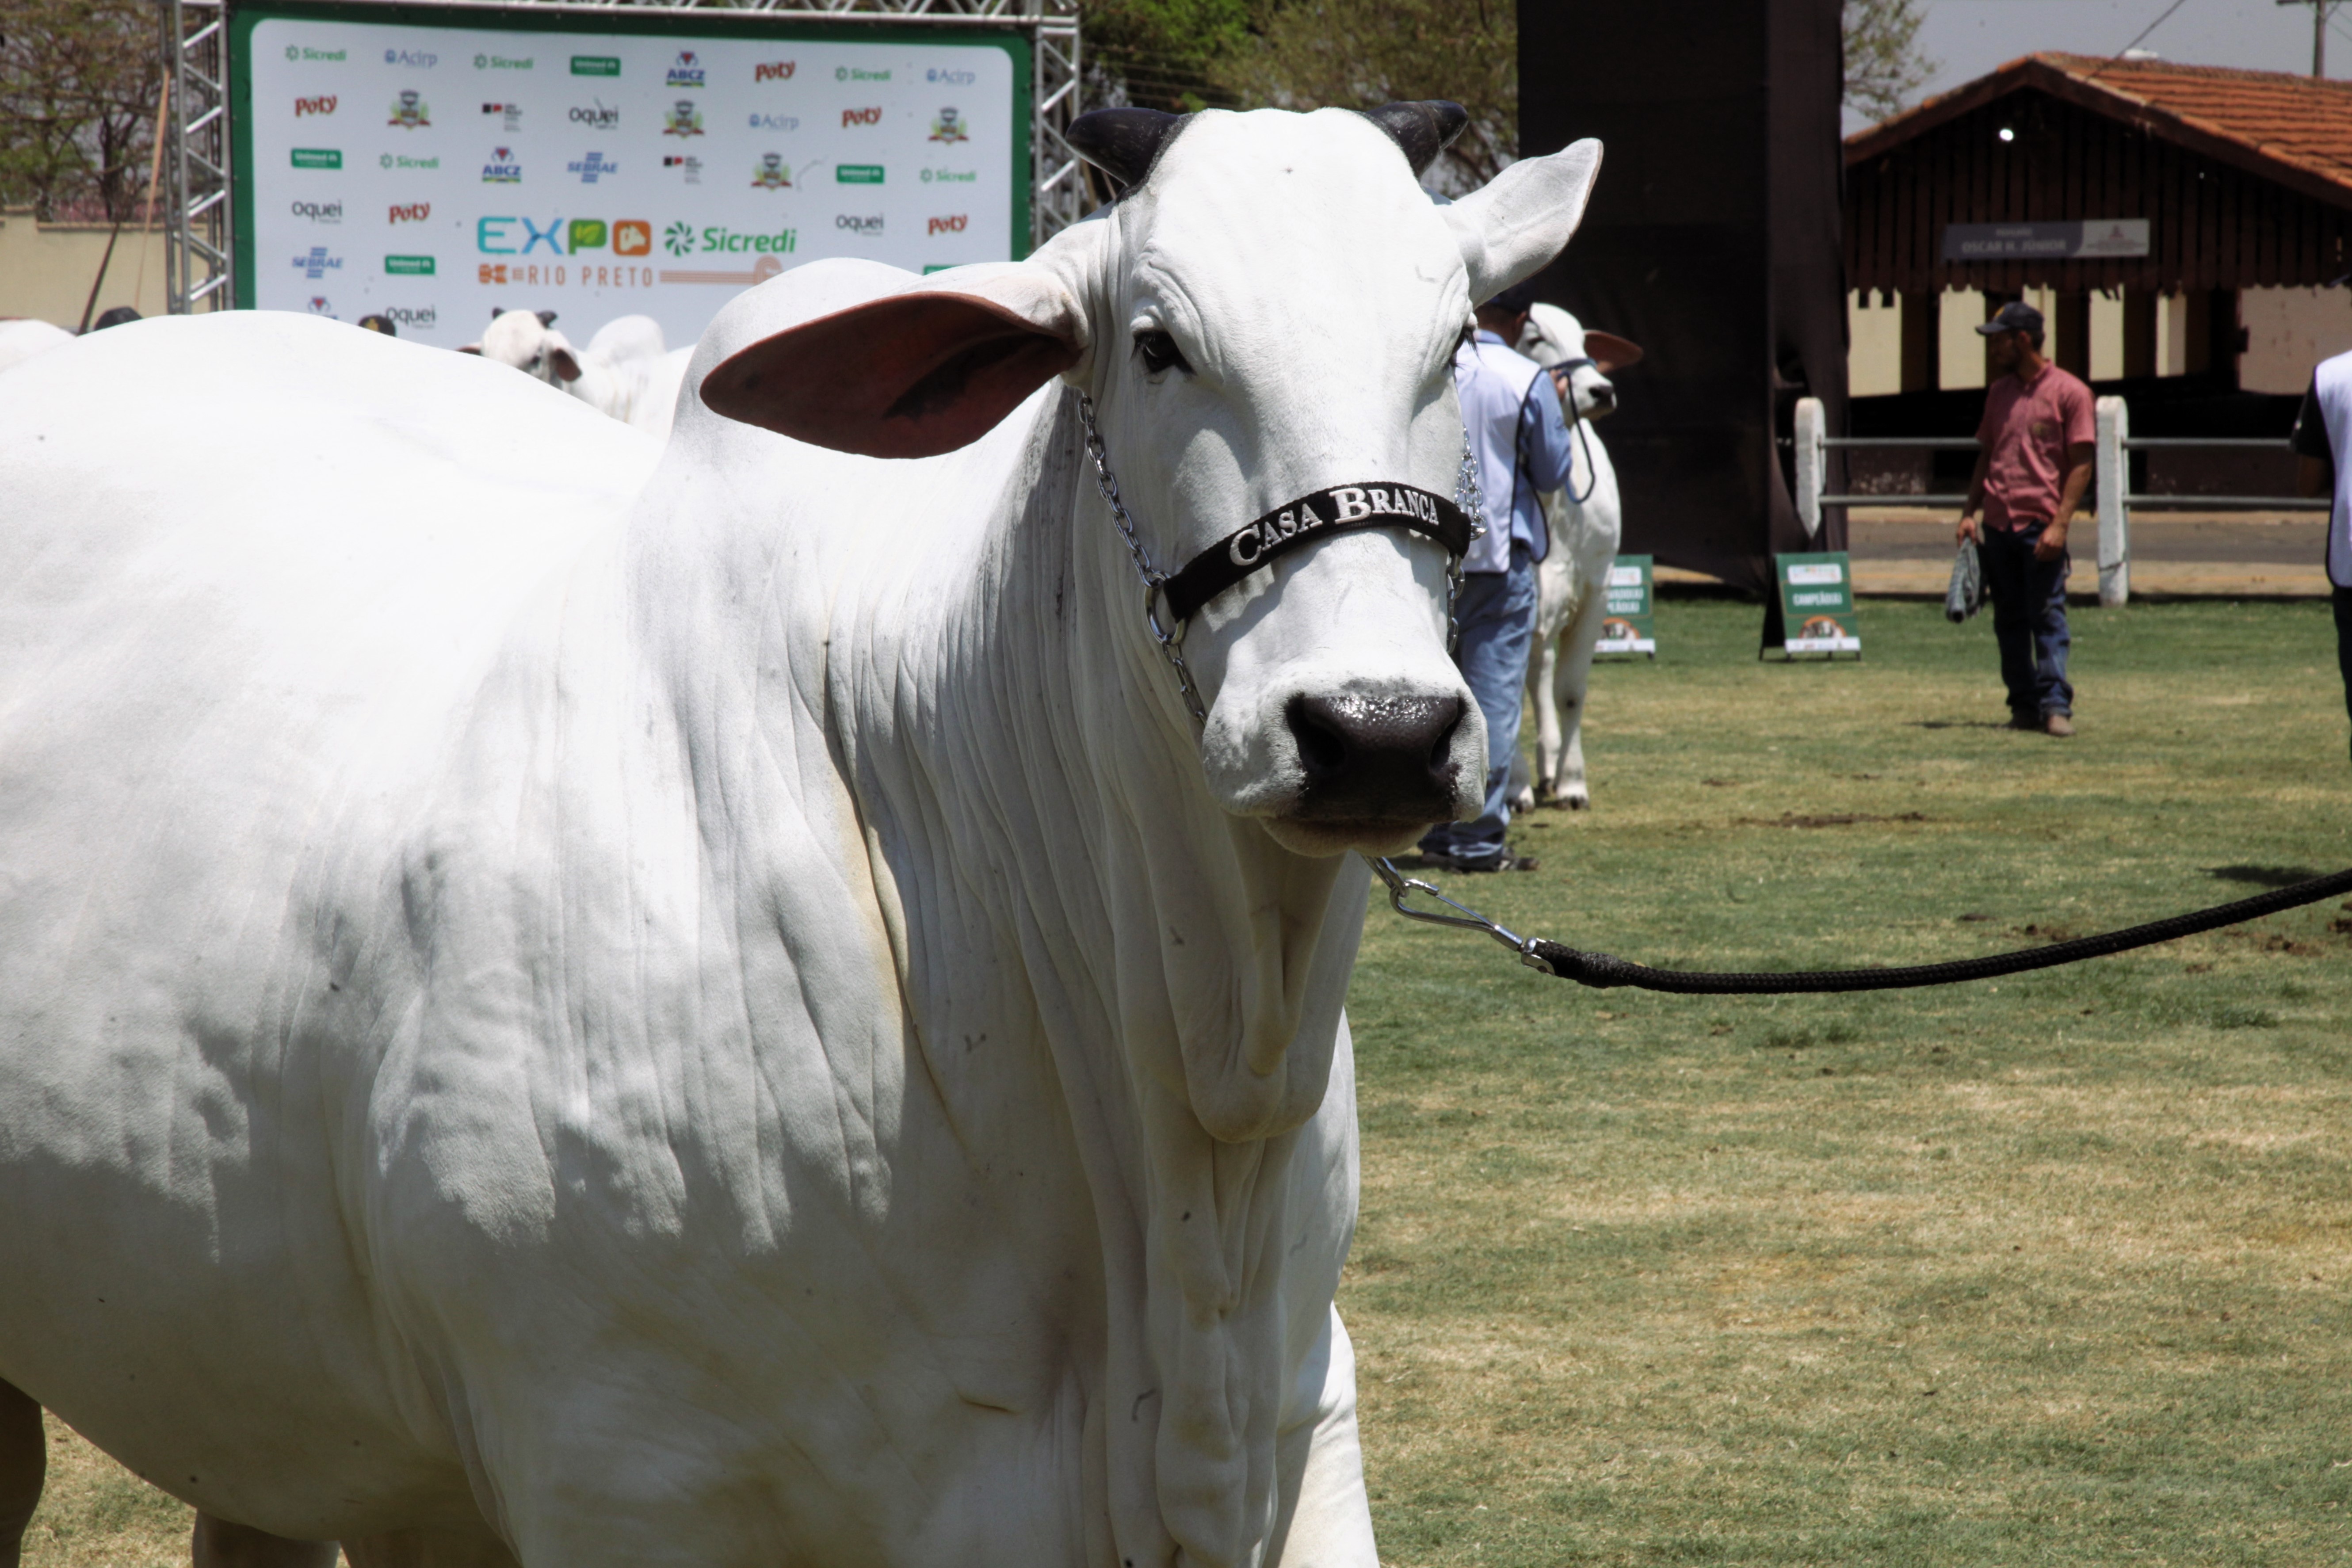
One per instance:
(1519, 441)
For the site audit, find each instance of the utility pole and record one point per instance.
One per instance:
(2319, 10)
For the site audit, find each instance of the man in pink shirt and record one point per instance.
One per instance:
(2037, 436)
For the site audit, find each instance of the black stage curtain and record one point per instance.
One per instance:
(1713, 243)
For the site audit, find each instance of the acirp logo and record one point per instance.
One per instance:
(949, 224)
(417, 212)
(324, 104)
(778, 71)
(850, 117)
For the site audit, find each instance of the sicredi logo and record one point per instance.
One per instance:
(950, 176)
(687, 70)
(858, 174)
(414, 211)
(859, 73)
(411, 59)
(502, 169)
(402, 161)
(858, 225)
(408, 266)
(775, 122)
(596, 65)
(318, 158)
(302, 52)
(719, 238)
(777, 71)
(949, 78)
(850, 117)
(597, 116)
(322, 105)
(317, 263)
(948, 225)
(318, 212)
(500, 63)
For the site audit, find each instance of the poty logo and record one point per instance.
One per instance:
(857, 73)
(858, 225)
(949, 78)
(780, 71)
(948, 225)
(318, 212)
(317, 263)
(502, 169)
(596, 117)
(591, 166)
(775, 122)
(415, 212)
(411, 59)
(687, 70)
(850, 117)
(325, 105)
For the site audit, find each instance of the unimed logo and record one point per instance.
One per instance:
(775, 71)
(861, 117)
(949, 224)
(318, 158)
(408, 266)
(321, 105)
(417, 212)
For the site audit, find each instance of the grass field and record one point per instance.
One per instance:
(2049, 1271)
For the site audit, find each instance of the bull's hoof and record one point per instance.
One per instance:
(1575, 800)
(1524, 801)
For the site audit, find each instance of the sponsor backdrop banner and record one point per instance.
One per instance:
(1628, 623)
(1813, 612)
(431, 165)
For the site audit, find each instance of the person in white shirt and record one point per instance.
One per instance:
(2323, 441)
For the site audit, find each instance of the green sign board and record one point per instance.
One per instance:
(1628, 623)
(1813, 610)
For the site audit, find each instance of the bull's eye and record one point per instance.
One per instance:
(1159, 351)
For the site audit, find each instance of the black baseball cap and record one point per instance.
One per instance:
(2017, 316)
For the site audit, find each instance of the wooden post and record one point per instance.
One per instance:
(2112, 477)
(1922, 340)
(2070, 334)
(2140, 332)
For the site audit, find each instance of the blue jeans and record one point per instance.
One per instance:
(2029, 620)
(1497, 615)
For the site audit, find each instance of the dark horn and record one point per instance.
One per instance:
(1423, 128)
(1123, 142)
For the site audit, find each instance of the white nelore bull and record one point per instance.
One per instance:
(560, 1017)
(1587, 524)
(625, 372)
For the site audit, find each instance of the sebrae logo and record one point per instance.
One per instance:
(682, 118)
(321, 105)
(318, 158)
(591, 166)
(510, 115)
(949, 127)
(850, 117)
(414, 211)
(502, 169)
(410, 111)
(687, 70)
(778, 71)
(411, 59)
(318, 212)
(562, 236)
(299, 52)
(771, 172)
(317, 263)
(949, 224)
(863, 226)
(686, 164)
(597, 116)
(775, 122)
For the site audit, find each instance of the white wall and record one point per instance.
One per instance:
(2288, 330)
(45, 271)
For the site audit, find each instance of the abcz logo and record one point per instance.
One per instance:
(779, 70)
(949, 224)
(417, 212)
(324, 104)
(861, 117)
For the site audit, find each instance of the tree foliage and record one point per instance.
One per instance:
(1884, 65)
(79, 84)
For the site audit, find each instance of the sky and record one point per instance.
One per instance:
(1969, 37)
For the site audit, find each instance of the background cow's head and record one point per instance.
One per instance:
(1269, 309)
(528, 340)
(1552, 337)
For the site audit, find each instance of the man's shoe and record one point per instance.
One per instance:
(2018, 721)
(2057, 724)
(1500, 863)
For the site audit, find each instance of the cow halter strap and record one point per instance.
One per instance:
(1254, 546)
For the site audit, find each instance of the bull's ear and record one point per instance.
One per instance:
(922, 371)
(470, 349)
(1610, 354)
(1512, 227)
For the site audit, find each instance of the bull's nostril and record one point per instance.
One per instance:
(1321, 748)
(1385, 758)
(1440, 750)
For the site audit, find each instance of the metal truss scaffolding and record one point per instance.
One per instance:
(196, 152)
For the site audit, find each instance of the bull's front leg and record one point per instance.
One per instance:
(24, 1465)
(1568, 674)
(1328, 1519)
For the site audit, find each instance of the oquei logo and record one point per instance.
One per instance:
(850, 117)
(414, 211)
(775, 122)
(949, 224)
(510, 115)
(502, 169)
(412, 59)
(318, 212)
(410, 111)
(866, 226)
(775, 71)
(949, 78)
(324, 104)
(412, 315)
(687, 70)
(317, 263)
(597, 116)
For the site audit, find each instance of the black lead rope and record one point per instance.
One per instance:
(1602, 972)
